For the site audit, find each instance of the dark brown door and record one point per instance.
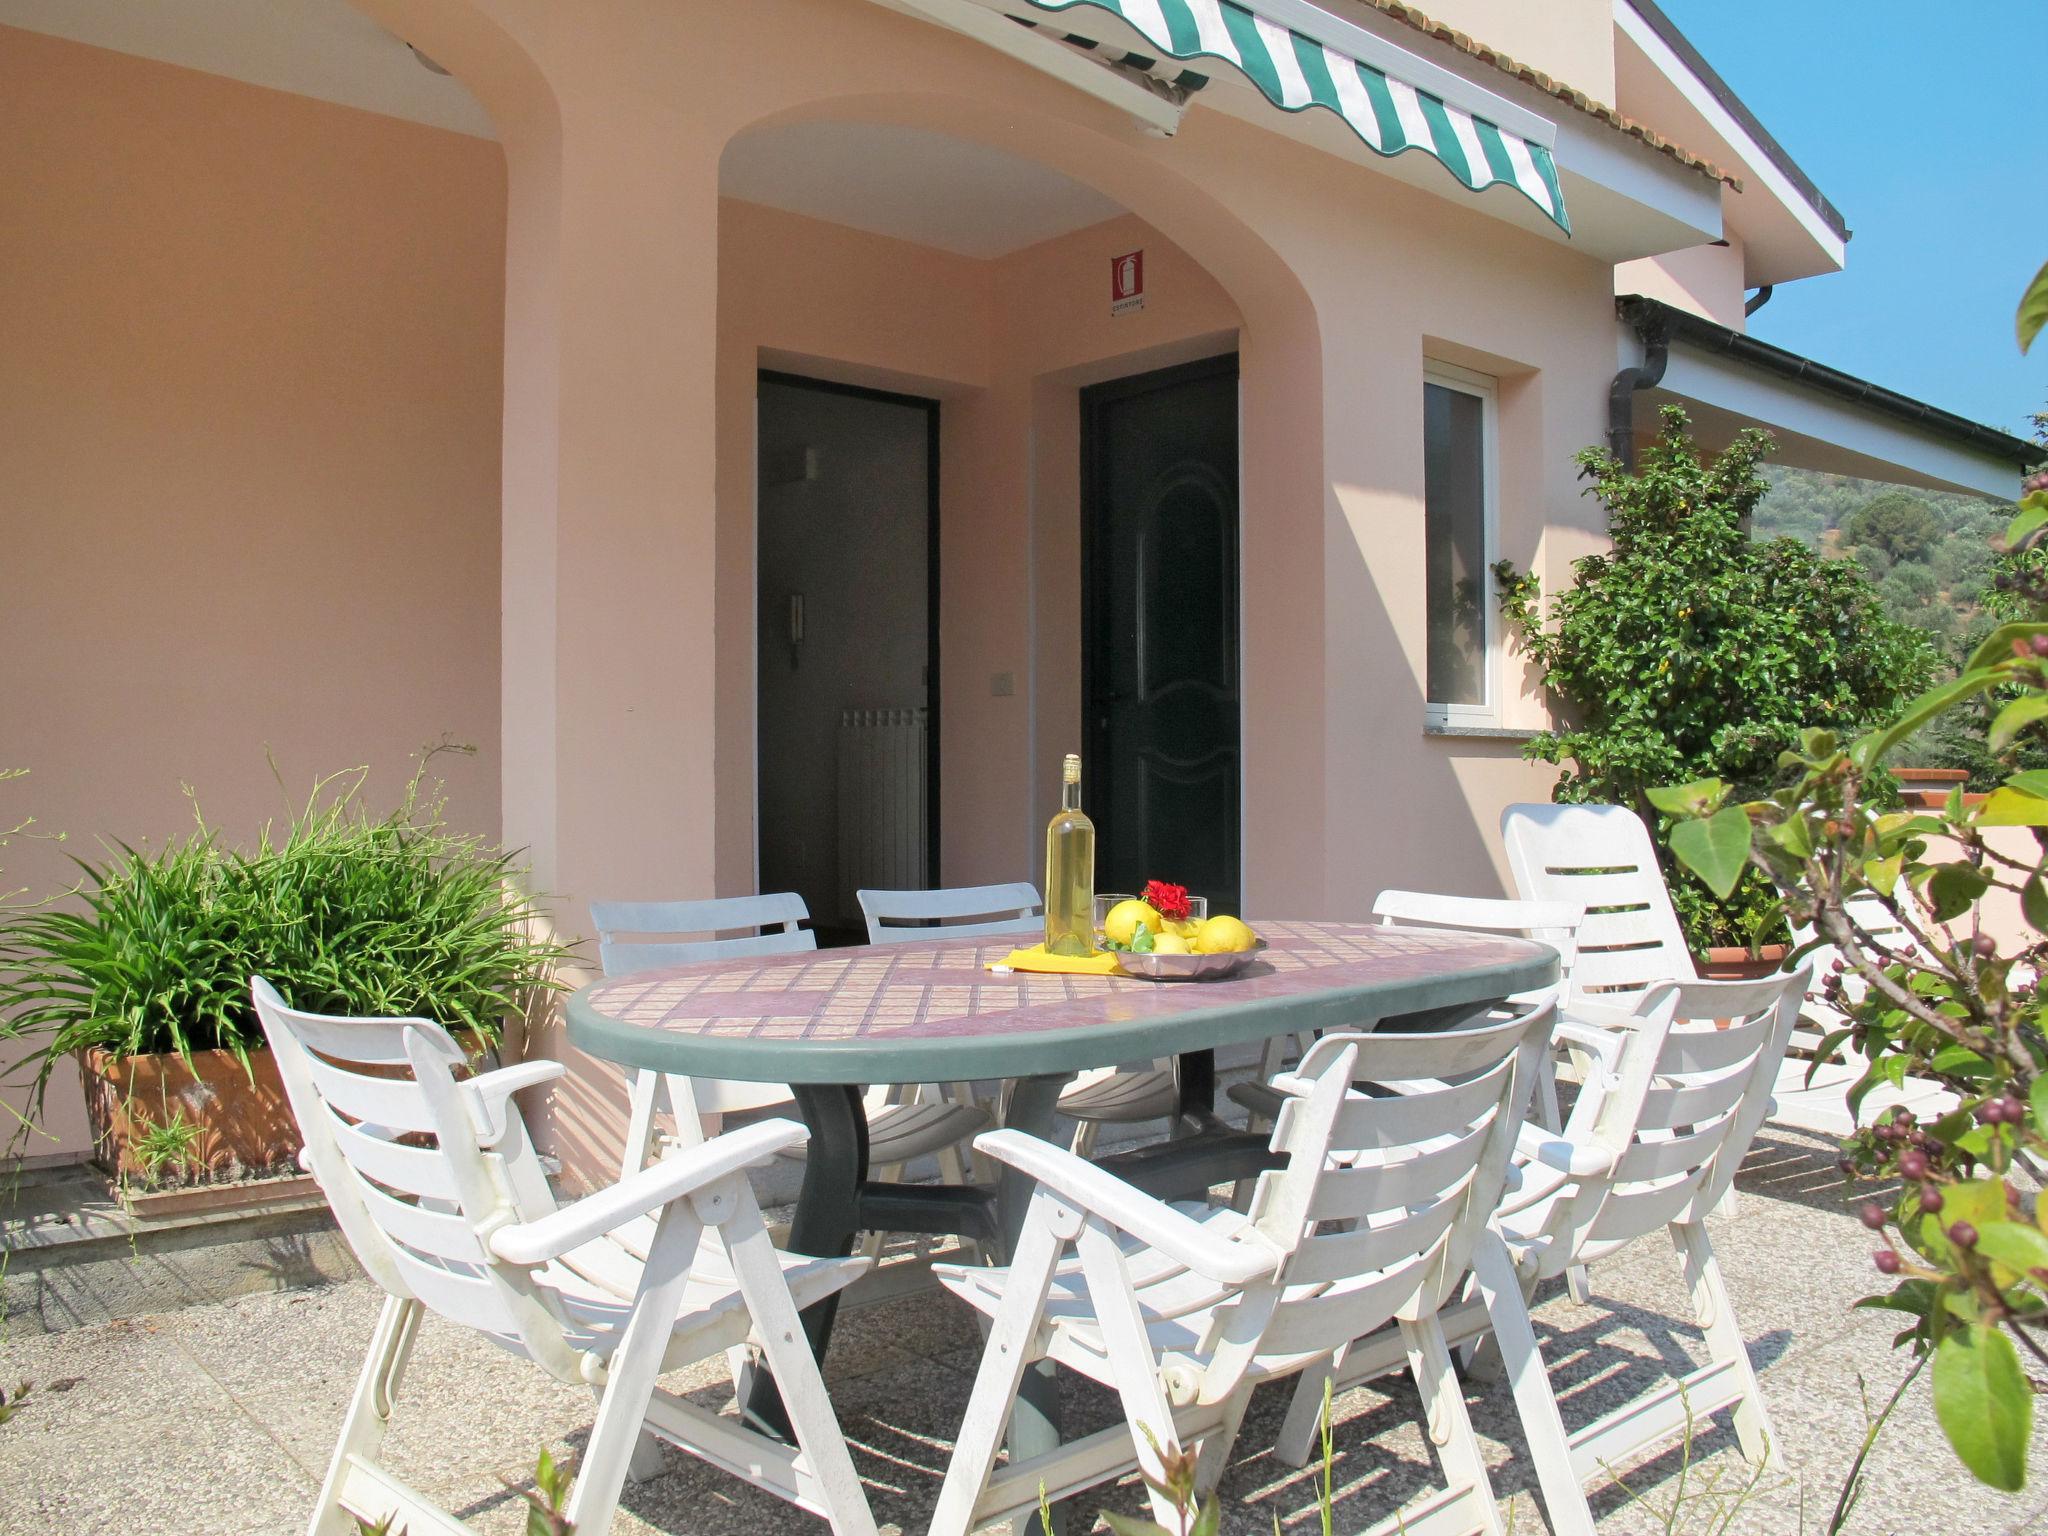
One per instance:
(1160, 642)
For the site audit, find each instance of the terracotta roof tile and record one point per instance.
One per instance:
(1401, 11)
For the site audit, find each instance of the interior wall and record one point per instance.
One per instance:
(845, 518)
(249, 454)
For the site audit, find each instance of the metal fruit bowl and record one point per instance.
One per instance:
(1186, 967)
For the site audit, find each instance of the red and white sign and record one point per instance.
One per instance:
(1127, 283)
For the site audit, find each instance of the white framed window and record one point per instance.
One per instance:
(1460, 530)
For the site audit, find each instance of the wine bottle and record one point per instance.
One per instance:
(1070, 871)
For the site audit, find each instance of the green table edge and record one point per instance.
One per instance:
(958, 1058)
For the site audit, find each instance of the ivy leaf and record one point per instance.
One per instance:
(1882, 875)
(2034, 908)
(2009, 807)
(2033, 513)
(2033, 312)
(1954, 888)
(2037, 1101)
(1868, 750)
(1702, 797)
(1997, 646)
(2016, 717)
(1984, 1405)
(1715, 849)
(2013, 1244)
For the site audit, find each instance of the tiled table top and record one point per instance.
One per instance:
(934, 1012)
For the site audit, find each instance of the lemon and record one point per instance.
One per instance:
(1224, 936)
(1183, 929)
(1170, 944)
(1121, 923)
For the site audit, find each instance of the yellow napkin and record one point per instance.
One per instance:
(1101, 963)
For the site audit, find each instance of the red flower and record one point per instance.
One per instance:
(1169, 901)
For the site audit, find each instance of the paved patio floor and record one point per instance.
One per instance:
(217, 1421)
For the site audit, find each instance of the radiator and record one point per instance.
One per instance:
(882, 803)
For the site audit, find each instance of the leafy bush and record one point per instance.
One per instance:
(1691, 650)
(347, 911)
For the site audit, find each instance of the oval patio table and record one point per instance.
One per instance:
(828, 1021)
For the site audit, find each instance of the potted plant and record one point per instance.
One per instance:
(144, 976)
(1692, 650)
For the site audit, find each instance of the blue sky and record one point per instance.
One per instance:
(1924, 125)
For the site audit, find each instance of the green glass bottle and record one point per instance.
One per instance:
(1070, 871)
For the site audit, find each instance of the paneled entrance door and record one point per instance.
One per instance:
(1160, 629)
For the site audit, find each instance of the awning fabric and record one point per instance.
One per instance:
(1296, 73)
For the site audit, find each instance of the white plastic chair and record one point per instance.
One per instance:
(1103, 1095)
(902, 1125)
(1546, 922)
(952, 912)
(1813, 1093)
(442, 1197)
(1600, 858)
(1653, 1142)
(1183, 1309)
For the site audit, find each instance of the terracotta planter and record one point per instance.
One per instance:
(245, 1122)
(1735, 963)
(1928, 788)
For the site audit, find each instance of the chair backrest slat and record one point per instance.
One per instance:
(392, 1103)
(1600, 858)
(1547, 922)
(420, 1172)
(1399, 1182)
(954, 912)
(721, 923)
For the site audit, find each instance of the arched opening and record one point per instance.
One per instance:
(912, 247)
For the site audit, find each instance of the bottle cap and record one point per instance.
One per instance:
(1070, 773)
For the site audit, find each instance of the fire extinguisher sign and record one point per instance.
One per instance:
(1127, 283)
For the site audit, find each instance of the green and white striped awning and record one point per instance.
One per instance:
(1295, 73)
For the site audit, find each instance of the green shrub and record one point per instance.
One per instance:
(1692, 651)
(346, 911)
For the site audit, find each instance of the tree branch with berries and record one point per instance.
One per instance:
(1926, 991)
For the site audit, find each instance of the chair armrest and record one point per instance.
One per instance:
(492, 1091)
(1599, 1041)
(1597, 1016)
(1534, 1144)
(656, 1185)
(1232, 1260)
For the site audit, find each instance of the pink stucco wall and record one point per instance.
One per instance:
(249, 418)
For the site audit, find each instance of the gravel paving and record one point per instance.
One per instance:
(217, 1420)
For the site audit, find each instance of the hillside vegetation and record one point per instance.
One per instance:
(1931, 558)
(1928, 552)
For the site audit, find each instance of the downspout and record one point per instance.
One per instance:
(1756, 301)
(1654, 332)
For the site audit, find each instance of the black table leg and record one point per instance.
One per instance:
(1194, 1075)
(827, 1215)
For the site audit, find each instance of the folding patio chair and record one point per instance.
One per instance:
(1547, 922)
(1184, 1309)
(1653, 1142)
(1124, 1095)
(442, 1198)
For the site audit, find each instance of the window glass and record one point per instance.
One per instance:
(1454, 526)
